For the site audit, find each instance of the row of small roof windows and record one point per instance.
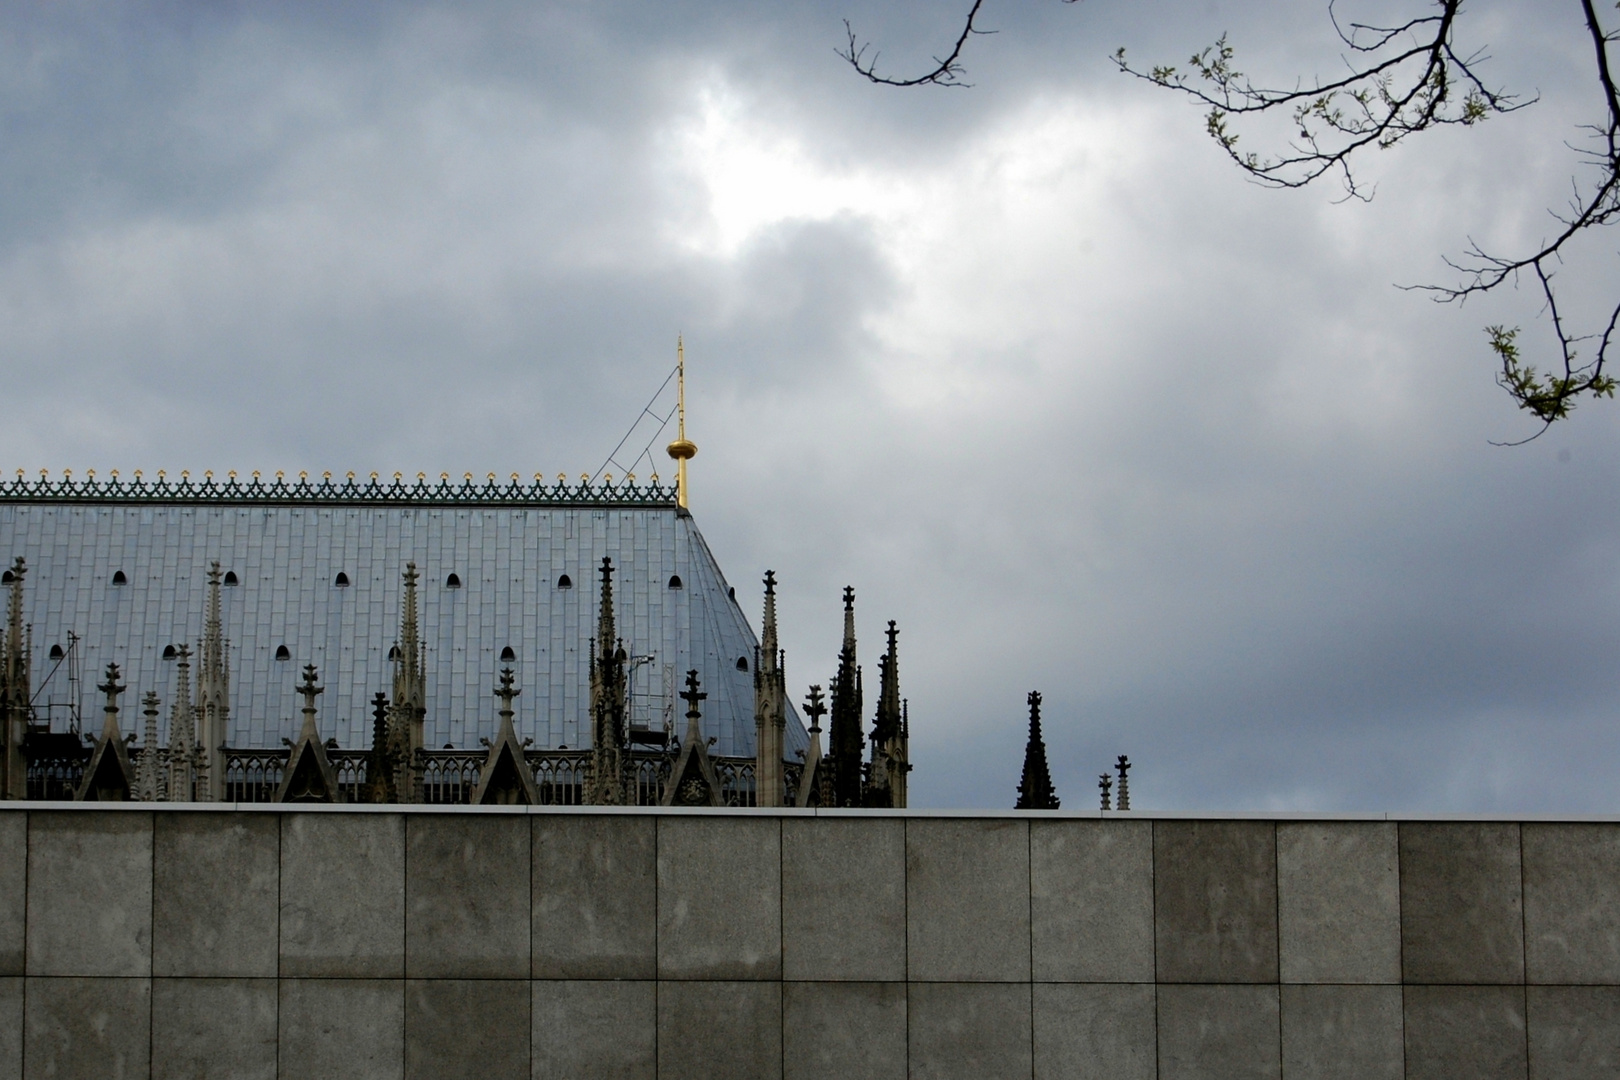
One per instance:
(508, 656)
(452, 581)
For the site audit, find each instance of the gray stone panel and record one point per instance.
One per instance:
(215, 894)
(1465, 1031)
(1219, 1033)
(89, 893)
(13, 890)
(11, 1028)
(1091, 903)
(214, 1029)
(342, 1029)
(87, 1029)
(1215, 901)
(595, 897)
(1342, 1032)
(466, 1029)
(1339, 902)
(844, 1031)
(844, 898)
(1462, 919)
(967, 900)
(342, 895)
(720, 1030)
(719, 898)
(595, 1030)
(1574, 1032)
(467, 896)
(1572, 903)
(969, 1031)
(1095, 1032)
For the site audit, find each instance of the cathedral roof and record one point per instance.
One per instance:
(317, 567)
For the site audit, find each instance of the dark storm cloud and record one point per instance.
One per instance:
(1027, 364)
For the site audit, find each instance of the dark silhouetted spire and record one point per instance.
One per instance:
(770, 705)
(380, 762)
(1124, 767)
(15, 710)
(886, 777)
(846, 738)
(1105, 783)
(1035, 789)
(609, 729)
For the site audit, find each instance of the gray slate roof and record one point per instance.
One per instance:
(286, 554)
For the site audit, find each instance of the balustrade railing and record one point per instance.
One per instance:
(448, 776)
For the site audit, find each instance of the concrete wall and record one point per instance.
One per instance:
(356, 944)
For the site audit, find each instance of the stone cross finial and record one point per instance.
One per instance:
(849, 598)
(692, 696)
(1124, 767)
(1106, 783)
(815, 707)
(770, 583)
(506, 692)
(309, 692)
(112, 689)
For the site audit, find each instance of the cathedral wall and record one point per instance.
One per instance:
(358, 943)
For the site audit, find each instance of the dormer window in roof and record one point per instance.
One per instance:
(282, 653)
(230, 577)
(453, 581)
(742, 663)
(675, 582)
(565, 582)
(118, 578)
(7, 577)
(341, 581)
(732, 592)
(508, 656)
(56, 652)
(168, 652)
(393, 652)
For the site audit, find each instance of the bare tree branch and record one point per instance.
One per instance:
(946, 72)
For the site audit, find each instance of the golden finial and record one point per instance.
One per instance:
(682, 449)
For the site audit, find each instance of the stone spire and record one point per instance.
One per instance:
(309, 776)
(814, 790)
(15, 692)
(149, 779)
(1035, 789)
(692, 782)
(380, 762)
(109, 776)
(609, 730)
(846, 737)
(506, 779)
(213, 709)
(409, 704)
(890, 749)
(770, 705)
(1105, 784)
(182, 734)
(1124, 767)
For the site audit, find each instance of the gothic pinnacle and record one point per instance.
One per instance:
(1035, 791)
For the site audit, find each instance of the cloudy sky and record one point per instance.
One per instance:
(1027, 364)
